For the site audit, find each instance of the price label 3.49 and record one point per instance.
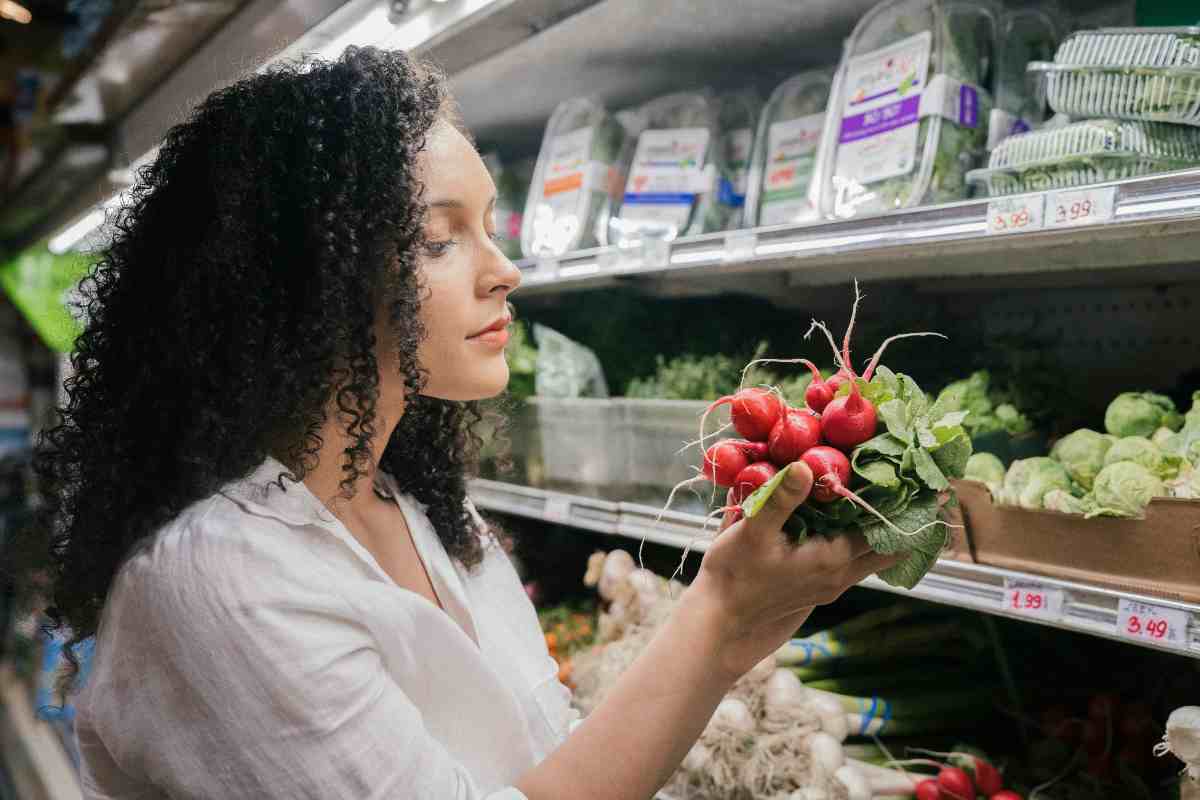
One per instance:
(1153, 624)
(1027, 599)
(1016, 214)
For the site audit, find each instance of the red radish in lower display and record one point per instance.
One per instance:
(753, 411)
(929, 790)
(751, 478)
(987, 777)
(955, 784)
(1007, 794)
(796, 432)
(1095, 736)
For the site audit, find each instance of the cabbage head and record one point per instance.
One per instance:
(1162, 436)
(1029, 479)
(1141, 414)
(1066, 503)
(1145, 452)
(1082, 454)
(984, 467)
(1124, 489)
(1187, 485)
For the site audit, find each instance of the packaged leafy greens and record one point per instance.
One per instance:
(737, 114)
(1027, 33)
(1127, 73)
(785, 151)
(1083, 153)
(570, 191)
(910, 111)
(672, 177)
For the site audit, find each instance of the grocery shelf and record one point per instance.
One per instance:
(1154, 223)
(1077, 607)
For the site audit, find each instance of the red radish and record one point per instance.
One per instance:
(830, 469)
(987, 777)
(751, 478)
(956, 784)
(929, 790)
(1095, 736)
(1007, 794)
(753, 411)
(819, 391)
(849, 421)
(725, 459)
(796, 432)
(1102, 706)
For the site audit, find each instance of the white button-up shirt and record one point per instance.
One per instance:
(254, 649)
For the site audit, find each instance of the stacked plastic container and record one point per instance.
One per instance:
(1138, 90)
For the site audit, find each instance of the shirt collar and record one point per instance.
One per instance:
(265, 493)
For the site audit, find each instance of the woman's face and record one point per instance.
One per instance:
(467, 278)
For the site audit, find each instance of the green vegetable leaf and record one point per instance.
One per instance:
(895, 418)
(952, 455)
(923, 548)
(885, 444)
(759, 497)
(929, 471)
(880, 473)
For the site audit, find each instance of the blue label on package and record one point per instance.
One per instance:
(659, 199)
(727, 197)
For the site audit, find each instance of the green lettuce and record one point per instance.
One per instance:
(1141, 414)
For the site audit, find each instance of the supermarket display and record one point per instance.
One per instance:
(674, 177)
(1026, 33)
(909, 114)
(785, 151)
(1088, 152)
(569, 196)
(1128, 73)
(512, 184)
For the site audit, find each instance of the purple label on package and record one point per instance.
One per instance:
(1020, 126)
(880, 120)
(968, 106)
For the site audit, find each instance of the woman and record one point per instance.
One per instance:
(259, 482)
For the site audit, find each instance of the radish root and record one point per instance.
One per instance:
(879, 353)
(850, 330)
(837, 354)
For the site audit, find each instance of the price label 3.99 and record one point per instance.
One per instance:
(1153, 624)
(1027, 599)
(1016, 214)
(1069, 209)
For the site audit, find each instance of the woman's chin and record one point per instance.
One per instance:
(486, 384)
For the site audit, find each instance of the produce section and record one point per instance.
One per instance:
(686, 192)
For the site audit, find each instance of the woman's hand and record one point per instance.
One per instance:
(756, 588)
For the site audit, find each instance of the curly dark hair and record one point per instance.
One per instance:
(236, 304)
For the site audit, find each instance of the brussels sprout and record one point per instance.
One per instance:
(984, 467)
(1029, 479)
(1066, 503)
(1141, 414)
(1125, 488)
(1145, 452)
(1082, 453)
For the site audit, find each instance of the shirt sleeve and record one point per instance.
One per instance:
(230, 676)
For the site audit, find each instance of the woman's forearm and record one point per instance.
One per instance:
(630, 745)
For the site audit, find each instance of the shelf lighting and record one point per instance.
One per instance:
(9, 9)
(74, 233)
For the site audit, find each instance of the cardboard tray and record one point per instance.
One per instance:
(1158, 555)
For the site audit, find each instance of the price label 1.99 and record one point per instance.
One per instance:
(1016, 214)
(1153, 624)
(1069, 209)
(1028, 599)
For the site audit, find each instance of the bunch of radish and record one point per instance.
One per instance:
(823, 434)
(961, 776)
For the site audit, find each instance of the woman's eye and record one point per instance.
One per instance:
(436, 249)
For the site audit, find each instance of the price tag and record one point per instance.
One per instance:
(1143, 622)
(558, 509)
(1080, 207)
(1033, 600)
(740, 245)
(1016, 214)
(655, 252)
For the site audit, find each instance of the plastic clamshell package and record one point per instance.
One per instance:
(1088, 152)
(1129, 73)
(1025, 34)
(908, 117)
(786, 147)
(569, 196)
(737, 114)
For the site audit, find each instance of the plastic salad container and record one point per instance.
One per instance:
(1025, 34)
(570, 190)
(737, 114)
(512, 183)
(909, 115)
(1087, 152)
(673, 174)
(1128, 73)
(785, 151)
